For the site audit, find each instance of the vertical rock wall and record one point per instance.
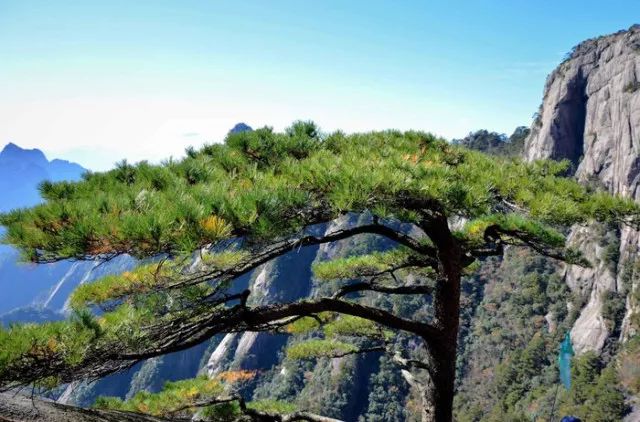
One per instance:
(590, 115)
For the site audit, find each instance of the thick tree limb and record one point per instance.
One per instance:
(19, 408)
(374, 287)
(267, 253)
(240, 318)
(497, 237)
(256, 415)
(185, 332)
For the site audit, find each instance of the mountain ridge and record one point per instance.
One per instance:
(21, 170)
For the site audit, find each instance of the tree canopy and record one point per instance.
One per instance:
(259, 195)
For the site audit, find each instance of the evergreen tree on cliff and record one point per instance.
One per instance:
(259, 195)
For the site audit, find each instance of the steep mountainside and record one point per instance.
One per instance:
(591, 115)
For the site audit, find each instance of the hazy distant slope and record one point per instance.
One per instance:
(21, 170)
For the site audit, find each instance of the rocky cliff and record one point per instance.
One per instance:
(590, 115)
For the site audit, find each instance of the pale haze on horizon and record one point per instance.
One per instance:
(95, 83)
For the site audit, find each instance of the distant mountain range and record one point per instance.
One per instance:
(36, 292)
(22, 170)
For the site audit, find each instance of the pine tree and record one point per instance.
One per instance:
(262, 194)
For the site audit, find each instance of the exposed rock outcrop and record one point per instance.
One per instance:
(590, 115)
(14, 408)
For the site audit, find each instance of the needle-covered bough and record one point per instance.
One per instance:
(262, 194)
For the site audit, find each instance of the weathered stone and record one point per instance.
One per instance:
(590, 115)
(17, 407)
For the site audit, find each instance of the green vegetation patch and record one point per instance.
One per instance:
(317, 348)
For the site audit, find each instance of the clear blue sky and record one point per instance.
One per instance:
(95, 81)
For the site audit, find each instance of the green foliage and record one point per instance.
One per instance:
(262, 185)
(495, 143)
(55, 191)
(333, 388)
(335, 329)
(113, 286)
(173, 396)
(317, 348)
(307, 324)
(511, 223)
(595, 394)
(223, 412)
(508, 362)
(360, 265)
(256, 184)
(149, 277)
(631, 87)
(224, 260)
(629, 365)
(230, 412)
(272, 406)
(267, 148)
(64, 340)
(348, 325)
(185, 398)
(613, 309)
(68, 342)
(514, 377)
(387, 395)
(285, 381)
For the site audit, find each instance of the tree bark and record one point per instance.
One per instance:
(439, 393)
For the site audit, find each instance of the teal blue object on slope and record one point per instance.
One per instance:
(564, 361)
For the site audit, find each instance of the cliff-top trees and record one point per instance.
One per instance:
(260, 195)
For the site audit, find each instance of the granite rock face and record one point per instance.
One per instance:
(590, 115)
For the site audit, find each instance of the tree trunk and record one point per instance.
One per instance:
(440, 391)
(443, 351)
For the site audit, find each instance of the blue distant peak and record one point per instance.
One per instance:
(13, 152)
(11, 147)
(22, 170)
(241, 127)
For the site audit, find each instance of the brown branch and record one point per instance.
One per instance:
(265, 254)
(106, 357)
(382, 317)
(373, 287)
(362, 351)
(257, 415)
(306, 416)
(192, 327)
(181, 336)
(494, 235)
(204, 403)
